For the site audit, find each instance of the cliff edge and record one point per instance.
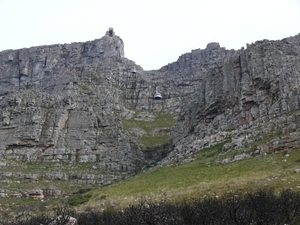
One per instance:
(87, 103)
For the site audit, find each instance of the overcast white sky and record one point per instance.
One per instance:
(155, 32)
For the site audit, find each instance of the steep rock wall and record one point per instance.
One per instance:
(63, 102)
(242, 96)
(66, 102)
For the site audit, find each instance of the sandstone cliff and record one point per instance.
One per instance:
(77, 102)
(242, 97)
(63, 103)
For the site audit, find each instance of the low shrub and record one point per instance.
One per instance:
(261, 206)
(79, 199)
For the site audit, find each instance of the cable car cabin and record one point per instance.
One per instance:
(157, 96)
(133, 71)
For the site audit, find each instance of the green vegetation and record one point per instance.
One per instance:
(79, 199)
(261, 206)
(23, 177)
(84, 190)
(196, 176)
(151, 141)
(155, 131)
(204, 177)
(201, 178)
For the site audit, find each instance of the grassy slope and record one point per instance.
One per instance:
(160, 121)
(201, 177)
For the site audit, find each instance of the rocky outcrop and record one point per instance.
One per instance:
(63, 102)
(69, 102)
(244, 95)
(66, 102)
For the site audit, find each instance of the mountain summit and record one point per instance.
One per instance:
(87, 103)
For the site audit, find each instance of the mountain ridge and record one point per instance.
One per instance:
(70, 103)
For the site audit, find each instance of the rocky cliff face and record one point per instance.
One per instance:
(64, 102)
(242, 97)
(70, 102)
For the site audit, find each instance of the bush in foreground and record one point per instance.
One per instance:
(258, 207)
